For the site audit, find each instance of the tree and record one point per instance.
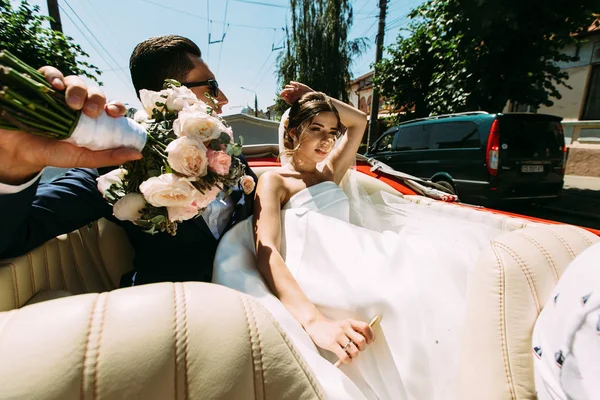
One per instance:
(465, 55)
(318, 52)
(25, 33)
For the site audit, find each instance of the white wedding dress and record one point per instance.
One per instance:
(410, 267)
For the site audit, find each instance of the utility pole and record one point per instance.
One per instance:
(54, 12)
(378, 56)
(255, 100)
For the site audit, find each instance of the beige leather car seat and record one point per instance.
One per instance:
(162, 341)
(88, 260)
(513, 280)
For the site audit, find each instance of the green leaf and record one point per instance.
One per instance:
(224, 138)
(215, 145)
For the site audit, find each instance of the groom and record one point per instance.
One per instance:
(32, 213)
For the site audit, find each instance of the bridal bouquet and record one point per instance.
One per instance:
(188, 151)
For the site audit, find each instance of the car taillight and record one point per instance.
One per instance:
(492, 152)
(564, 163)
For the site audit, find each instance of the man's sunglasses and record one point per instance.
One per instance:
(212, 84)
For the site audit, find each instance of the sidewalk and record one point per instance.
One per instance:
(580, 197)
(582, 182)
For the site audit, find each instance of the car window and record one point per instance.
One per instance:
(385, 143)
(455, 135)
(413, 138)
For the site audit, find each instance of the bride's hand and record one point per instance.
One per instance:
(293, 91)
(345, 338)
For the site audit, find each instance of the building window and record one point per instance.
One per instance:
(591, 111)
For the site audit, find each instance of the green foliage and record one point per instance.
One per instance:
(318, 52)
(27, 35)
(465, 55)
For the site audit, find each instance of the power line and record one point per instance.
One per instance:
(92, 44)
(223, 40)
(260, 3)
(116, 64)
(204, 18)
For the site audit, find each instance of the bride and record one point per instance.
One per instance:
(325, 260)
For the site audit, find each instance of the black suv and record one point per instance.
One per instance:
(484, 158)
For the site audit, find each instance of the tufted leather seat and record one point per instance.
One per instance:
(513, 280)
(90, 259)
(162, 341)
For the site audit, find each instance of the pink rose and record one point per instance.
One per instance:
(202, 200)
(178, 214)
(247, 183)
(218, 161)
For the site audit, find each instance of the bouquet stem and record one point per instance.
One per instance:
(29, 103)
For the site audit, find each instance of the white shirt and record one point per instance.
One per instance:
(566, 336)
(217, 214)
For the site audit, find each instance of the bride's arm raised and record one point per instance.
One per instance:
(355, 121)
(325, 333)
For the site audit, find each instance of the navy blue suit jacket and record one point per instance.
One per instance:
(41, 212)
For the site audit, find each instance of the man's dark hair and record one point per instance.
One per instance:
(160, 58)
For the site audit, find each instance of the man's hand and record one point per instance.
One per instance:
(23, 155)
(293, 91)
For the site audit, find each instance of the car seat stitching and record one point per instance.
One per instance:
(31, 274)
(545, 253)
(581, 234)
(86, 348)
(305, 369)
(186, 342)
(251, 338)
(262, 369)
(15, 279)
(48, 286)
(564, 243)
(526, 273)
(176, 369)
(100, 333)
(503, 334)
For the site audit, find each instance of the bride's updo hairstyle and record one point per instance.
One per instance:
(301, 115)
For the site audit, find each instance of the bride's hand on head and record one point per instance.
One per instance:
(293, 91)
(345, 338)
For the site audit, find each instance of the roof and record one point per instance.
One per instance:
(360, 78)
(249, 118)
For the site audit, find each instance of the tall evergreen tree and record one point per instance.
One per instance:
(318, 51)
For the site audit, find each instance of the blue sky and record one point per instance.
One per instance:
(109, 30)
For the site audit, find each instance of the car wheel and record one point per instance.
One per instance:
(448, 186)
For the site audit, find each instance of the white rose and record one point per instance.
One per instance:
(168, 190)
(141, 116)
(149, 99)
(180, 97)
(107, 180)
(178, 214)
(192, 122)
(129, 208)
(187, 155)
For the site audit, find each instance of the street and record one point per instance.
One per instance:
(579, 204)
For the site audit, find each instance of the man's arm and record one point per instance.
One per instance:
(39, 213)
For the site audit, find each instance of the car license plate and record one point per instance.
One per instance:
(532, 168)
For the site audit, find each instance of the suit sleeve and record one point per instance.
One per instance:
(42, 211)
